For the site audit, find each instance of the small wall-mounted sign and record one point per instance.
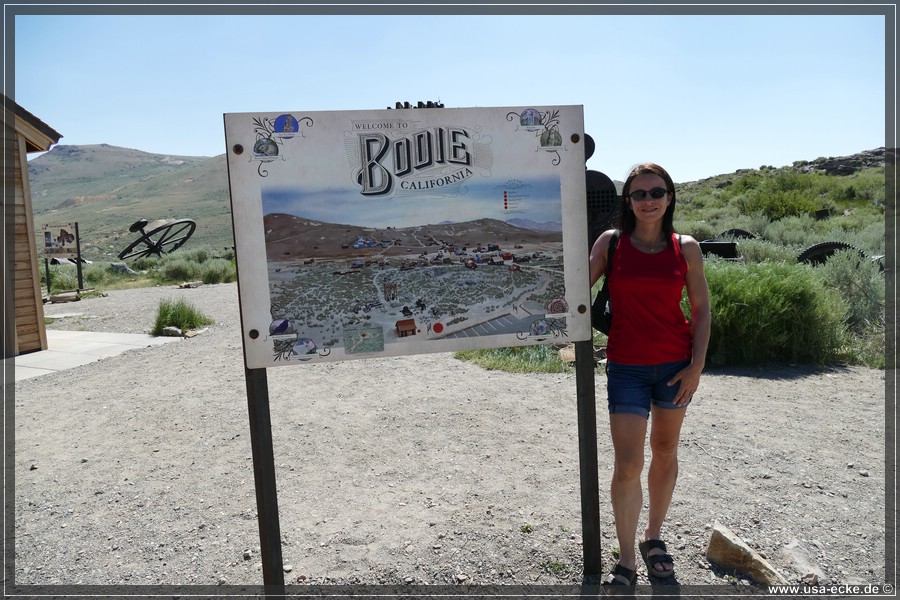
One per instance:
(58, 241)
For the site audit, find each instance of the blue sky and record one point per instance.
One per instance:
(538, 200)
(700, 94)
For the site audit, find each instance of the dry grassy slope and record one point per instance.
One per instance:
(67, 172)
(106, 189)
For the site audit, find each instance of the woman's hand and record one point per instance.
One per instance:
(690, 381)
(698, 294)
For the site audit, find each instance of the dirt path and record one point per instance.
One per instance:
(424, 469)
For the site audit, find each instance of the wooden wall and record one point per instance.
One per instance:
(31, 332)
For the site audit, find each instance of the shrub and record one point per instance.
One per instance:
(779, 205)
(746, 182)
(97, 275)
(712, 214)
(227, 254)
(755, 224)
(178, 269)
(218, 270)
(868, 236)
(779, 194)
(866, 187)
(144, 264)
(63, 278)
(797, 231)
(757, 251)
(540, 358)
(197, 255)
(772, 312)
(860, 283)
(180, 314)
(867, 347)
(699, 230)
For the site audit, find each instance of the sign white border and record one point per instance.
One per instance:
(425, 158)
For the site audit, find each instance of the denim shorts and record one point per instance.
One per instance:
(633, 388)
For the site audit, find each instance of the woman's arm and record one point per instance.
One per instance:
(701, 320)
(598, 257)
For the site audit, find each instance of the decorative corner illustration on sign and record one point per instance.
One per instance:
(287, 344)
(271, 135)
(545, 126)
(552, 324)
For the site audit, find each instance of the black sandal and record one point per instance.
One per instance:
(625, 572)
(652, 560)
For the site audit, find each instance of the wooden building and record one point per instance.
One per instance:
(23, 319)
(405, 327)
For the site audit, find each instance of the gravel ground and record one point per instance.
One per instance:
(421, 470)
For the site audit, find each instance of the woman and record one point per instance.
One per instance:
(654, 359)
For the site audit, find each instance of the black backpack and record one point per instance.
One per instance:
(601, 312)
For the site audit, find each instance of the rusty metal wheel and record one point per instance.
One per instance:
(164, 237)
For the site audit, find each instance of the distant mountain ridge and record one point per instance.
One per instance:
(529, 224)
(285, 233)
(107, 188)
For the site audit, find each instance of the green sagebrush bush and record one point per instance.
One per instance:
(699, 230)
(95, 275)
(772, 312)
(781, 194)
(762, 251)
(218, 270)
(860, 282)
(65, 277)
(145, 263)
(178, 269)
(798, 231)
(197, 255)
(62, 278)
(519, 359)
(180, 314)
(190, 265)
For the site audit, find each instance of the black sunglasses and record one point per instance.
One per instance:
(656, 193)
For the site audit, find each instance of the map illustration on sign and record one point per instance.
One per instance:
(384, 233)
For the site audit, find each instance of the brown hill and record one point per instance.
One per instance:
(289, 237)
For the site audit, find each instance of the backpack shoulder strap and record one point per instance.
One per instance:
(613, 241)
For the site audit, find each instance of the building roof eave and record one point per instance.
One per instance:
(38, 135)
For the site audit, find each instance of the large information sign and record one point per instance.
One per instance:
(375, 233)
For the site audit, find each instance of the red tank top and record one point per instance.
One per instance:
(648, 326)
